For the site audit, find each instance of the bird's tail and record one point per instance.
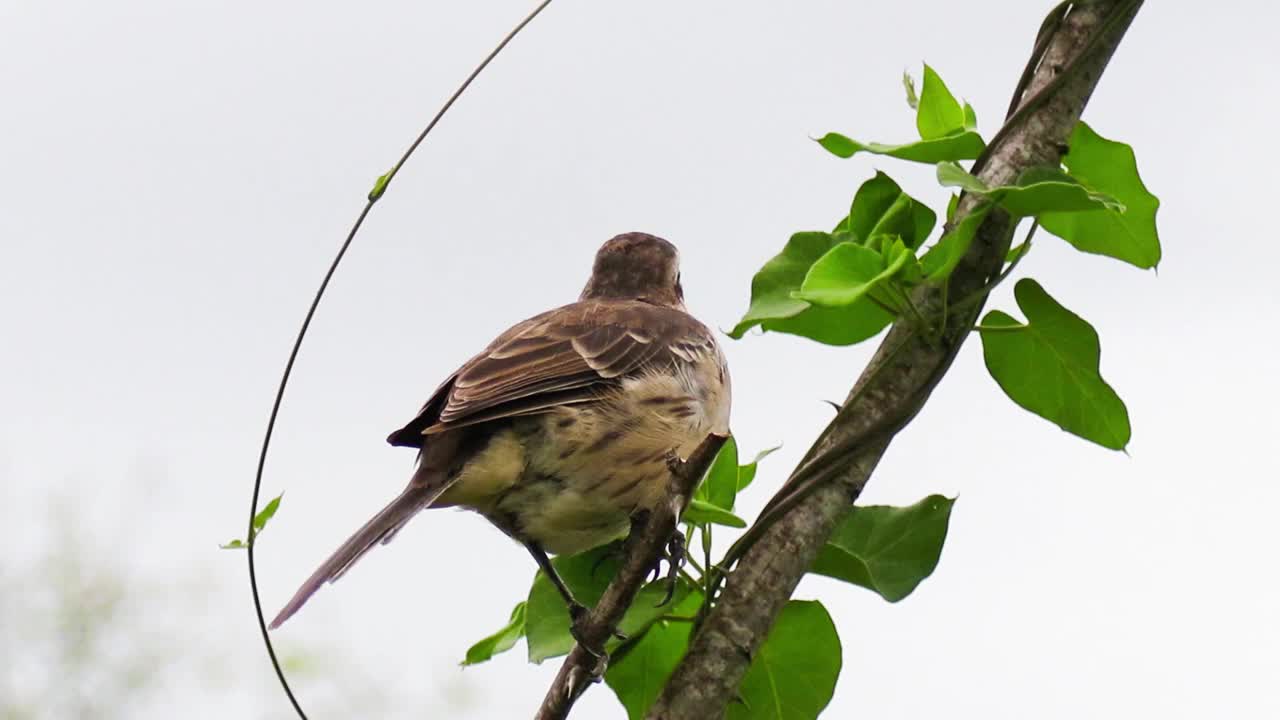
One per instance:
(380, 529)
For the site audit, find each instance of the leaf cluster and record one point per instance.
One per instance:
(845, 286)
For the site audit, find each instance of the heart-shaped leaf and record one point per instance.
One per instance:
(641, 667)
(889, 550)
(1109, 167)
(1050, 366)
(793, 674)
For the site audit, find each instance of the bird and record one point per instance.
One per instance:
(561, 430)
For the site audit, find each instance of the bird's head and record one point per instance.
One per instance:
(636, 266)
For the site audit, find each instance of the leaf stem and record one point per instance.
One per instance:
(706, 557)
(694, 563)
(693, 582)
(884, 305)
(981, 293)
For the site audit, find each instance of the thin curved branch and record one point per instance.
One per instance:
(376, 194)
(1071, 53)
(646, 544)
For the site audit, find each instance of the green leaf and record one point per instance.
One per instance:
(848, 274)
(638, 672)
(774, 309)
(889, 550)
(909, 84)
(1109, 167)
(881, 207)
(720, 486)
(1040, 190)
(959, 145)
(380, 185)
(897, 254)
(793, 674)
(1050, 366)
(587, 575)
(842, 276)
(941, 259)
(724, 480)
(701, 512)
(952, 203)
(747, 473)
(950, 174)
(259, 522)
(1016, 252)
(499, 642)
(771, 287)
(946, 129)
(1045, 190)
(265, 514)
(939, 113)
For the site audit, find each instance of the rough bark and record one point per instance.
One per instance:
(900, 377)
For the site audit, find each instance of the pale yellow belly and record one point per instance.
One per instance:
(569, 480)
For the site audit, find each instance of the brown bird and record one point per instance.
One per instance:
(561, 429)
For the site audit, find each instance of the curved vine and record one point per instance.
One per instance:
(379, 189)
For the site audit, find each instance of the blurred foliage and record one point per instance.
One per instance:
(88, 632)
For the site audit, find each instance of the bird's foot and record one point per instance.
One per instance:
(578, 614)
(675, 560)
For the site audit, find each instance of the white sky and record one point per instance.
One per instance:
(176, 176)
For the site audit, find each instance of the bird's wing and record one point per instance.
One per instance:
(568, 355)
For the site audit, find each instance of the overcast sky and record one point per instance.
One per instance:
(174, 177)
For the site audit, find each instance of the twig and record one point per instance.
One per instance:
(373, 198)
(582, 667)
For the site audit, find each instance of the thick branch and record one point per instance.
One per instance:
(899, 379)
(647, 542)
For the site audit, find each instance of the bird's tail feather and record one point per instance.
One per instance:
(380, 529)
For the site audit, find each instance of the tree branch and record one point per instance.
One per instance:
(646, 544)
(1070, 55)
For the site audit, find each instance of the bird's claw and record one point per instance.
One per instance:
(675, 561)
